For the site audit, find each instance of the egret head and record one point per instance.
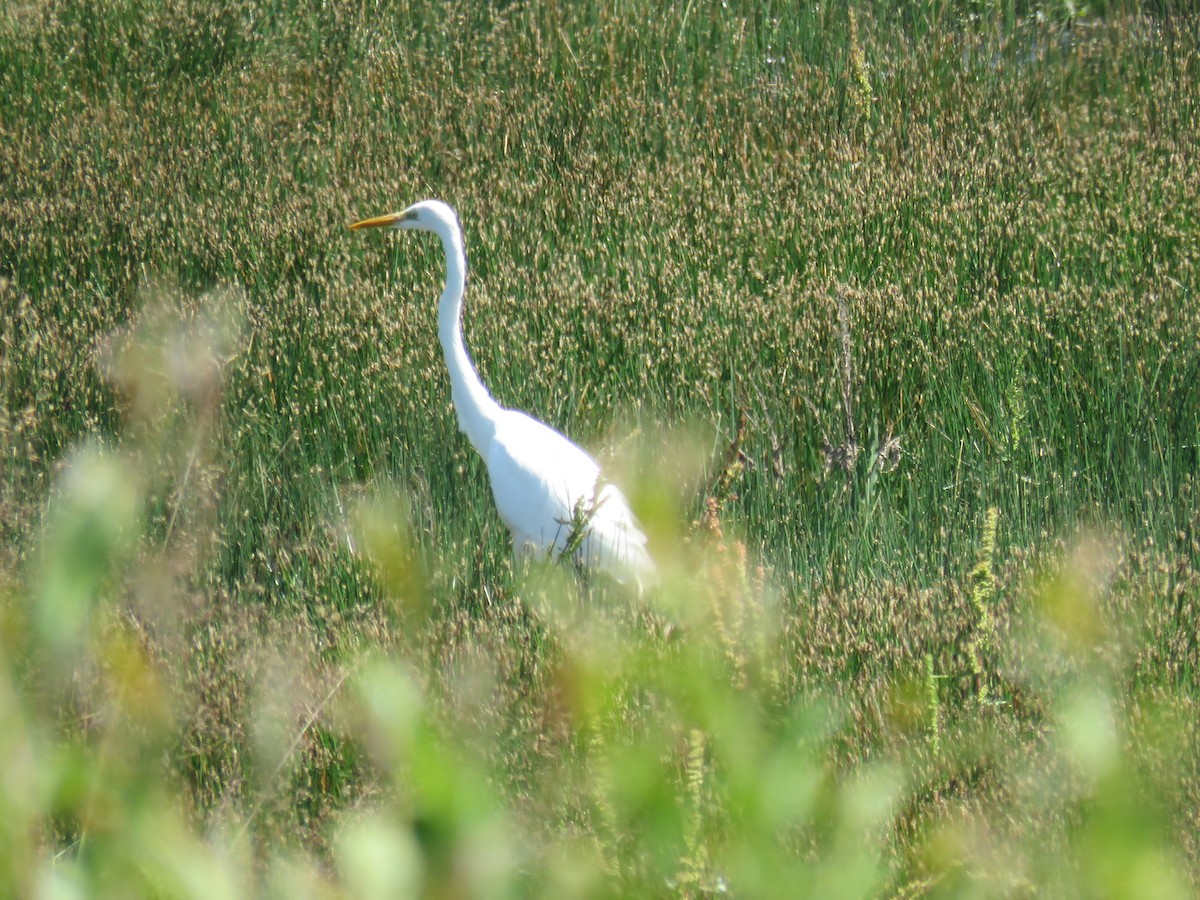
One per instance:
(428, 215)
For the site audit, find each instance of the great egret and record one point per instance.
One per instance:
(547, 489)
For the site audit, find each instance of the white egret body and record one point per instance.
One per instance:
(541, 481)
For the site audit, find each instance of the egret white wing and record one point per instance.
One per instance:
(538, 476)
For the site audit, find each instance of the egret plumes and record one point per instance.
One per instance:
(548, 491)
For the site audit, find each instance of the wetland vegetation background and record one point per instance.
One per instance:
(883, 313)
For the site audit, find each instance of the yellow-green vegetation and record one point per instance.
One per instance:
(884, 314)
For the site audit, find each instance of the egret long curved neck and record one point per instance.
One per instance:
(476, 409)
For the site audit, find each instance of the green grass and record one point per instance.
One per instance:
(260, 626)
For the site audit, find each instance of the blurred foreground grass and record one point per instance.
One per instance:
(885, 314)
(557, 739)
